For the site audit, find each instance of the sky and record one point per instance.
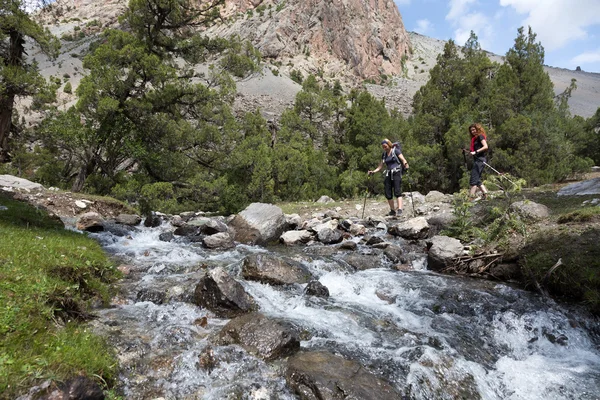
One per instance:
(569, 30)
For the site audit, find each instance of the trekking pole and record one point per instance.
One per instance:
(366, 193)
(412, 200)
(499, 173)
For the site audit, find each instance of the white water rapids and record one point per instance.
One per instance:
(429, 335)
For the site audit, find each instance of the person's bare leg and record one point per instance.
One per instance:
(392, 205)
(472, 192)
(483, 191)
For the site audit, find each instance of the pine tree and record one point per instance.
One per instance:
(18, 77)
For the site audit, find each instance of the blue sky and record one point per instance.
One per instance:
(569, 30)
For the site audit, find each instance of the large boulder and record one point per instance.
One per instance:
(325, 376)
(591, 186)
(258, 224)
(530, 210)
(442, 250)
(223, 295)
(267, 268)
(221, 240)
(264, 337)
(413, 229)
(15, 183)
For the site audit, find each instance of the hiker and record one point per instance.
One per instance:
(394, 162)
(478, 150)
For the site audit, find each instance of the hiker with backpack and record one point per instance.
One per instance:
(478, 150)
(395, 163)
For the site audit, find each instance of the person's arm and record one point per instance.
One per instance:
(482, 149)
(376, 169)
(403, 160)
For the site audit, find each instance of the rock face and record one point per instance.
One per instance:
(363, 37)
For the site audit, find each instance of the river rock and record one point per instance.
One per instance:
(223, 295)
(221, 240)
(274, 270)
(530, 210)
(330, 236)
(258, 224)
(413, 229)
(362, 262)
(325, 376)
(316, 288)
(291, 238)
(264, 337)
(128, 219)
(442, 249)
(90, 222)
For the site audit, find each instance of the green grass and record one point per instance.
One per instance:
(48, 278)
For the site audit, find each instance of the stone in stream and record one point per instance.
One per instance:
(223, 295)
(322, 375)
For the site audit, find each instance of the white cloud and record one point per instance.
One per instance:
(424, 26)
(588, 57)
(476, 22)
(557, 22)
(458, 8)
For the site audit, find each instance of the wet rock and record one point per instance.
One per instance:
(266, 338)
(207, 359)
(358, 229)
(413, 229)
(362, 261)
(316, 288)
(213, 226)
(128, 219)
(330, 236)
(90, 222)
(78, 388)
(442, 249)
(151, 295)
(393, 253)
(291, 238)
(258, 224)
(117, 229)
(372, 240)
(268, 268)
(187, 230)
(223, 295)
(322, 375)
(590, 186)
(152, 220)
(348, 245)
(166, 236)
(221, 240)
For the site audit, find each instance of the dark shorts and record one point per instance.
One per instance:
(476, 171)
(393, 187)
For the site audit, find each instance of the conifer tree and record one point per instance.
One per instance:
(18, 76)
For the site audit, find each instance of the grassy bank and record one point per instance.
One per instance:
(48, 279)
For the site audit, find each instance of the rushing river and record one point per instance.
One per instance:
(431, 336)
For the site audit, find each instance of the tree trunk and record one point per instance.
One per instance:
(7, 97)
(6, 106)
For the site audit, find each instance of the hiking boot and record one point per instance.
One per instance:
(399, 212)
(484, 196)
(392, 213)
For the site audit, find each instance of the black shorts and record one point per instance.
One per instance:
(393, 181)
(476, 171)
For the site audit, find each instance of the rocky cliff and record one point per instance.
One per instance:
(360, 39)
